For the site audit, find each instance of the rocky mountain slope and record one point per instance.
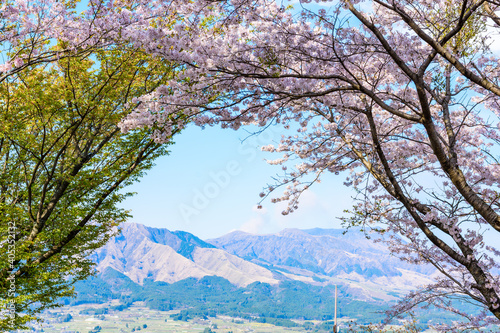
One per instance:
(315, 256)
(322, 251)
(329, 256)
(141, 252)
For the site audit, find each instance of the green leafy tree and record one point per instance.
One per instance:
(63, 161)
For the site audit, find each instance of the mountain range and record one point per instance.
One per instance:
(319, 257)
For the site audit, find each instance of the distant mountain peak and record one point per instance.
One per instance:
(141, 252)
(315, 256)
(324, 252)
(291, 232)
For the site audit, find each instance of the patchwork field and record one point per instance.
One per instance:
(139, 318)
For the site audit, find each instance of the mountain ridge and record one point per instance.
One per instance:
(142, 252)
(314, 256)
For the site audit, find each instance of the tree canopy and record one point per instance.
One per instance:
(402, 95)
(64, 164)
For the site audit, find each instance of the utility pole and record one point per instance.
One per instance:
(335, 330)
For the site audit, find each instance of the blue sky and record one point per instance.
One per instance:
(209, 185)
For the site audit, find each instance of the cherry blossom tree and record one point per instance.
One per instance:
(402, 95)
(30, 28)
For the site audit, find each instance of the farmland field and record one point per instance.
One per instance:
(136, 316)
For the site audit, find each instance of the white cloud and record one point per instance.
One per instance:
(314, 211)
(253, 226)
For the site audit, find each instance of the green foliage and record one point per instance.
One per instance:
(96, 329)
(120, 307)
(212, 296)
(67, 318)
(308, 325)
(274, 304)
(94, 311)
(63, 162)
(277, 321)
